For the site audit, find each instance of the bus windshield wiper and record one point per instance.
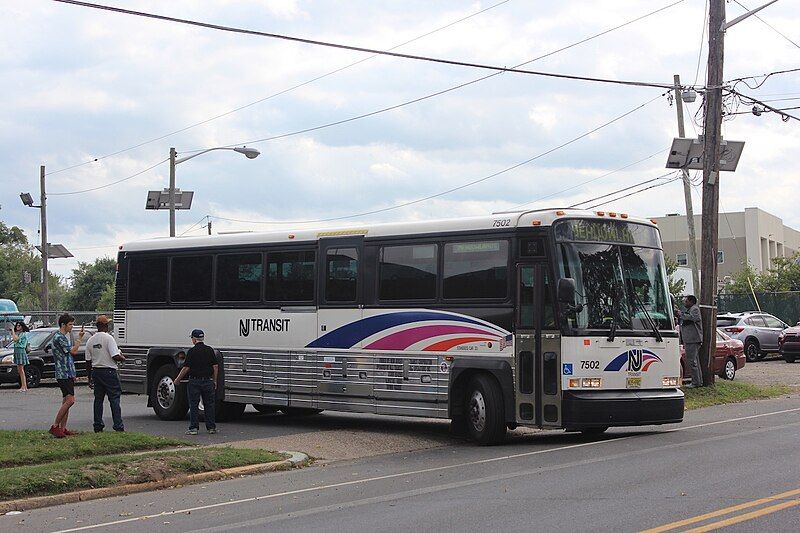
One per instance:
(614, 312)
(646, 314)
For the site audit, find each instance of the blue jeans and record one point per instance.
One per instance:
(106, 383)
(195, 389)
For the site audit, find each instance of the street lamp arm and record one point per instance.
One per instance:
(188, 157)
(726, 25)
(249, 153)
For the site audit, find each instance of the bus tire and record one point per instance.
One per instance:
(300, 411)
(265, 409)
(169, 402)
(484, 411)
(228, 411)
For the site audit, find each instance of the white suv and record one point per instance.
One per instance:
(758, 331)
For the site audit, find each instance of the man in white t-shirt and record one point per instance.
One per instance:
(102, 356)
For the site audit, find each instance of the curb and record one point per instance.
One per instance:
(296, 459)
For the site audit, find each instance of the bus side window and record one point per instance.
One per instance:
(290, 276)
(148, 279)
(341, 270)
(527, 311)
(191, 279)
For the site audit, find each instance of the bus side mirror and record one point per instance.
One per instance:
(566, 291)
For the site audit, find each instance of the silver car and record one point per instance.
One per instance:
(758, 331)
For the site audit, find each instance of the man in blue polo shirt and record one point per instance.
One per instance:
(202, 368)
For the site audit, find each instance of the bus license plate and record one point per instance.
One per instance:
(634, 383)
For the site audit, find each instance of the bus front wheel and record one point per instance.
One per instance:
(169, 402)
(484, 405)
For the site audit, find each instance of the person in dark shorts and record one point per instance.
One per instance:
(63, 352)
(202, 368)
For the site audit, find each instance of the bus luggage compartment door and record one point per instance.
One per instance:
(345, 382)
(276, 371)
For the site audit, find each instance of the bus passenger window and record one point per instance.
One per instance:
(341, 267)
(476, 269)
(148, 279)
(408, 272)
(290, 276)
(239, 278)
(549, 317)
(190, 279)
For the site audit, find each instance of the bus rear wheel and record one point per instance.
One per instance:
(169, 402)
(484, 411)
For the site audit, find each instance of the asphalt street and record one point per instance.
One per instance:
(733, 466)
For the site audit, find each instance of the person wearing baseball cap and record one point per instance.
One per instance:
(203, 370)
(102, 357)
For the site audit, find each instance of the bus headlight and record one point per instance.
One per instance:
(670, 382)
(591, 383)
(574, 383)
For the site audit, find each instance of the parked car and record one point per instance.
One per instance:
(728, 357)
(41, 357)
(758, 331)
(789, 342)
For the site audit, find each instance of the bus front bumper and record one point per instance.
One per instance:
(588, 409)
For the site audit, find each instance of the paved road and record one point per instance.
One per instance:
(718, 465)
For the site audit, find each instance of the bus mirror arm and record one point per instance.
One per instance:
(566, 291)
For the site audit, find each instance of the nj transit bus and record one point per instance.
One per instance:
(551, 319)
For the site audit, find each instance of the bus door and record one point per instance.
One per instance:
(345, 376)
(538, 344)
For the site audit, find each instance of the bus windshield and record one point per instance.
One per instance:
(620, 286)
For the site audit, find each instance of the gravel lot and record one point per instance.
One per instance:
(771, 371)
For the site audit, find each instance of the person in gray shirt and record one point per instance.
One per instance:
(692, 337)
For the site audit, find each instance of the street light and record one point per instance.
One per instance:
(249, 153)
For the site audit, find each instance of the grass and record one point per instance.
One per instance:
(28, 447)
(105, 471)
(731, 392)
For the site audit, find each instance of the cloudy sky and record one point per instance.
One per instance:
(81, 84)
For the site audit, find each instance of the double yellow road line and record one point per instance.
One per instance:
(734, 509)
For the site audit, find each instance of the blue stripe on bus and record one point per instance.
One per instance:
(349, 335)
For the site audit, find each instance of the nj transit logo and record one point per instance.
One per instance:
(636, 360)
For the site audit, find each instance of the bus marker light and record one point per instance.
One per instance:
(612, 215)
(669, 382)
(591, 383)
(587, 342)
(560, 213)
(574, 383)
(654, 221)
(536, 223)
(601, 213)
(449, 358)
(623, 215)
(291, 235)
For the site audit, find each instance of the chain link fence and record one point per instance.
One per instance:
(784, 305)
(42, 319)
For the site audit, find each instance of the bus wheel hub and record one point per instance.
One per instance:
(477, 411)
(166, 392)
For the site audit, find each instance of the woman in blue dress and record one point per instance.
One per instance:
(20, 337)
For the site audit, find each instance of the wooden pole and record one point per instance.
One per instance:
(712, 133)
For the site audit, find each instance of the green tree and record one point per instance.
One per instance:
(676, 286)
(106, 301)
(20, 262)
(89, 281)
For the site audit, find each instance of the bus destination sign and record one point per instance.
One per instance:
(596, 231)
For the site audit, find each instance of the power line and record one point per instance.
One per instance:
(765, 76)
(193, 225)
(109, 184)
(284, 91)
(678, 178)
(785, 116)
(702, 42)
(460, 187)
(367, 50)
(773, 28)
(629, 165)
(612, 193)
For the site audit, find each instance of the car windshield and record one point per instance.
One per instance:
(37, 338)
(618, 283)
(726, 321)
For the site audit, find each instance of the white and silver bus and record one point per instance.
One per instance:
(551, 319)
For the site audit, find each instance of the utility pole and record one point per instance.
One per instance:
(172, 164)
(43, 213)
(209, 225)
(687, 192)
(712, 133)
